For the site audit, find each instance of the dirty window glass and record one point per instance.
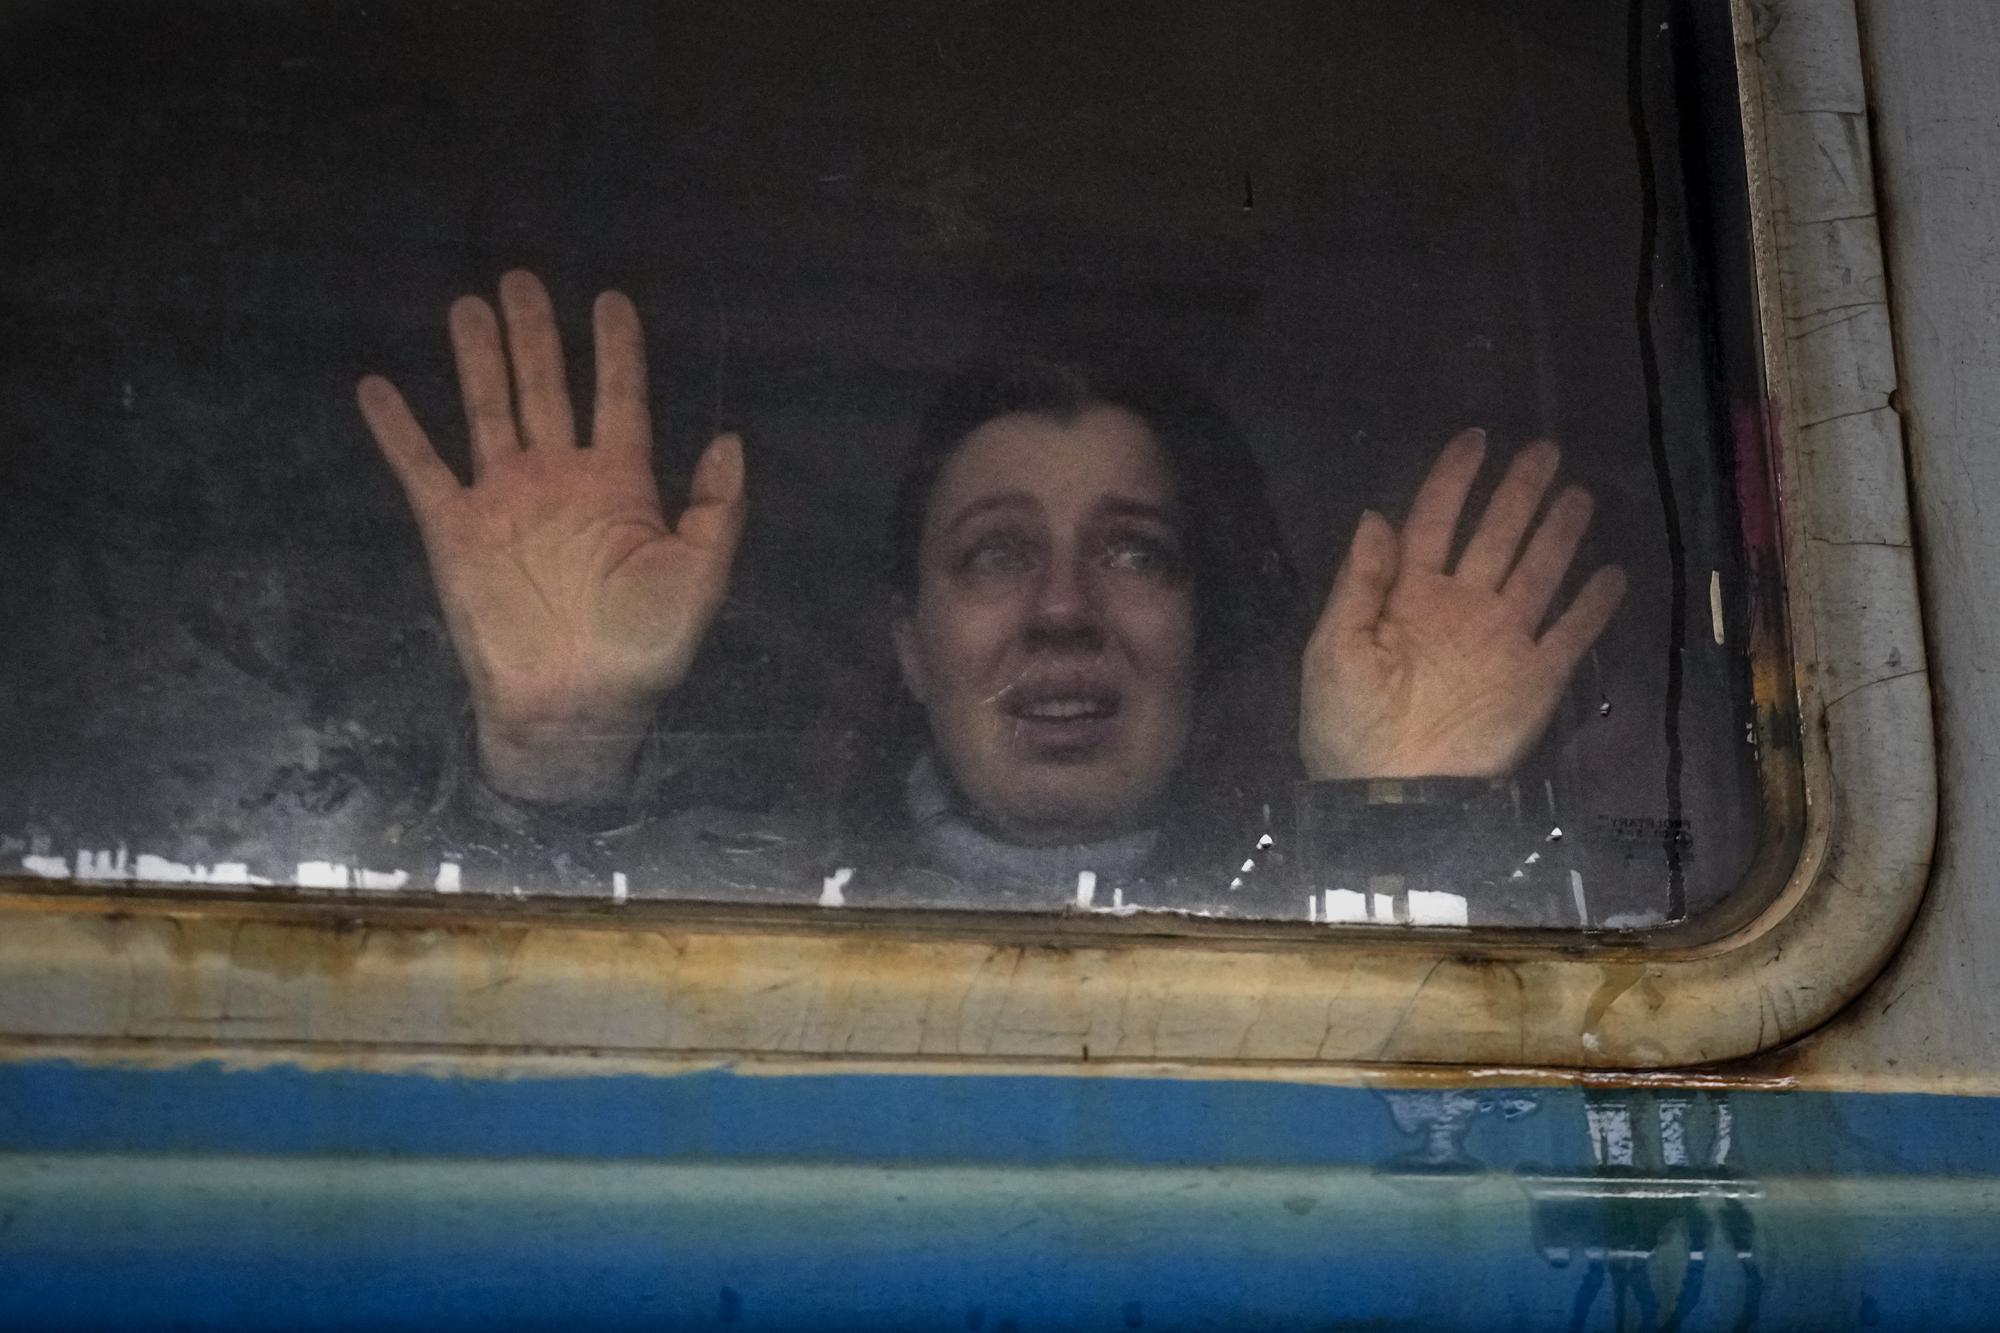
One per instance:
(1271, 460)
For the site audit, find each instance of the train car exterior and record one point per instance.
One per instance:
(224, 1112)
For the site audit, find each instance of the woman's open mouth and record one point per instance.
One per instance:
(1062, 720)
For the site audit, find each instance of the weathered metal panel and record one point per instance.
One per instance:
(1933, 1020)
(282, 1198)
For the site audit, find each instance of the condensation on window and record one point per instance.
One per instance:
(1275, 461)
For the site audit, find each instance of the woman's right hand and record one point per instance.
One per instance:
(574, 608)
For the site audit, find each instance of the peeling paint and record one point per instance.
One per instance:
(1611, 1141)
(1673, 1132)
(1725, 1128)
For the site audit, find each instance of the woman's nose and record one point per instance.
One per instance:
(1065, 609)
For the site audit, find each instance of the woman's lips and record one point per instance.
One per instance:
(1064, 709)
(1062, 720)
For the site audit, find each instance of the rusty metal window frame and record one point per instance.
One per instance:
(123, 976)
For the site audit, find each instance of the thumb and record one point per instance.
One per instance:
(714, 517)
(1361, 587)
(427, 482)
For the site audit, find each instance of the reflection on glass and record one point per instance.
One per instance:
(1080, 523)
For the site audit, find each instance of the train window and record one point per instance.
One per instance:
(1292, 478)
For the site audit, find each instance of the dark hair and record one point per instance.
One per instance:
(1248, 611)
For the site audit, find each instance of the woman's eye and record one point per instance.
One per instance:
(998, 555)
(1141, 554)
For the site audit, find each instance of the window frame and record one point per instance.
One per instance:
(477, 980)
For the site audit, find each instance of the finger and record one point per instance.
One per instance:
(1494, 543)
(1434, 513)
(539, 384)
(1578, 628)
(482, 381)
(1533, 584)
(426, 481)
(621, 421)
(714, 518)
(1361, 586)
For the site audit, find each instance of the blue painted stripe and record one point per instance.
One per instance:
(720, 1115)
(705, 1115)
(286, 1198)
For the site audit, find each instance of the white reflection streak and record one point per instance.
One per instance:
(103, 867)
(1345, 907)
(1428, 908)
(830, 894)
(335, 875)
(159, 870)
(320, 875)
(97, 867)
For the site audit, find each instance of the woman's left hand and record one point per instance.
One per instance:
(1419, 670)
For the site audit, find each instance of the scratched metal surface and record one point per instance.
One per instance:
(285, 1199)
(1932, 1019)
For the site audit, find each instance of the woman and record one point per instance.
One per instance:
(1063, 590)
(1096, 626)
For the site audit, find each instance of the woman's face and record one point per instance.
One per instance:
(1053, 638)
